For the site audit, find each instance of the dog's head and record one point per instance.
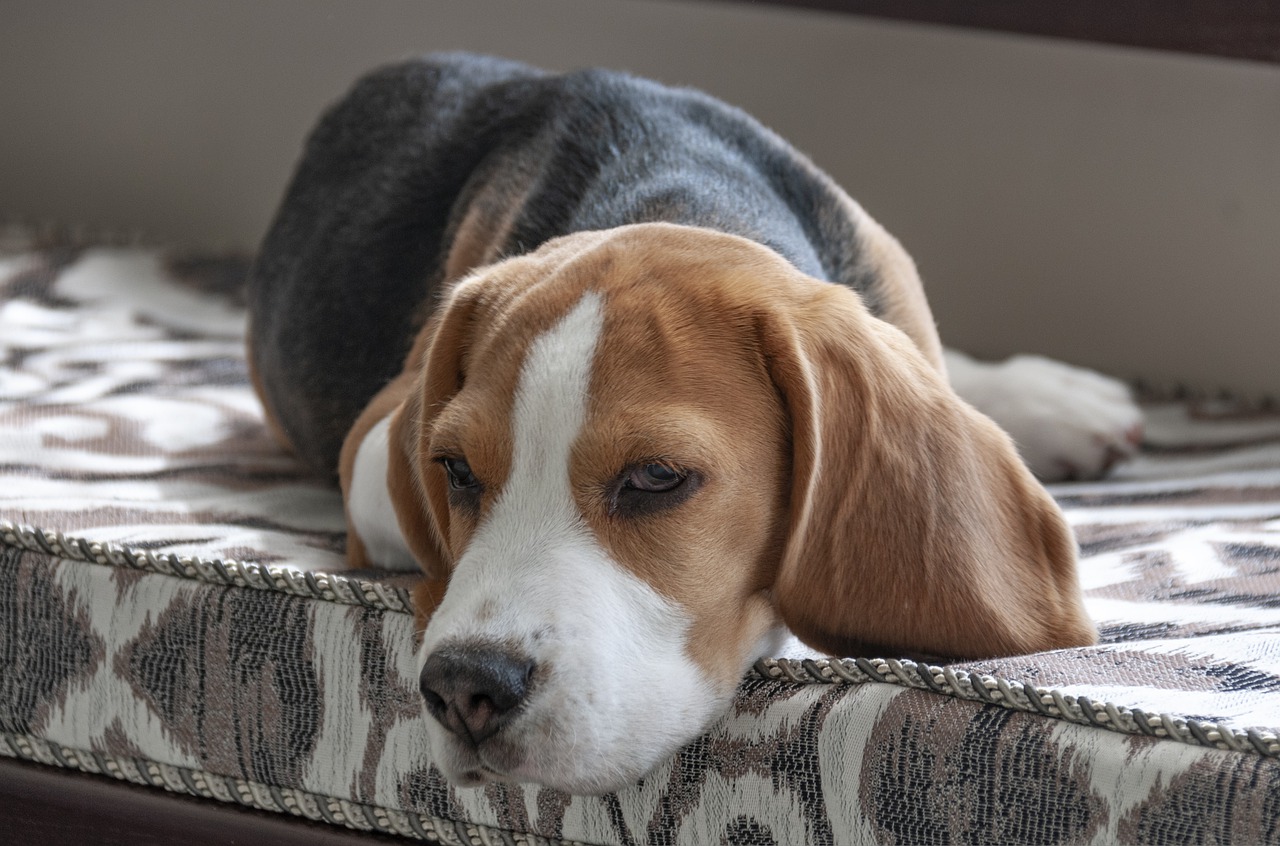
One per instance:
(636, 456)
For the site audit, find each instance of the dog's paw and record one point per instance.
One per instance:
(1068, 423)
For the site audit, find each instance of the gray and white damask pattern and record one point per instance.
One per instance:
(128, 433)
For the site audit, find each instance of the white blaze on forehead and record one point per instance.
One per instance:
(534, 527)
(551, 401)
(550, 406)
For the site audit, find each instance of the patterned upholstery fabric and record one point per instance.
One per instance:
(174, 611)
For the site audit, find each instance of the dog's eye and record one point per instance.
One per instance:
(654, 478)
(651, 487)
(460, 476)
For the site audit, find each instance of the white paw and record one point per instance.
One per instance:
(1069, 423)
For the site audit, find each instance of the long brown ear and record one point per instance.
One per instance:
(436, 360)
(914, 526)
(404, 483)
(432, 375)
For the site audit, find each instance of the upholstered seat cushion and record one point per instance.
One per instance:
(175, 611)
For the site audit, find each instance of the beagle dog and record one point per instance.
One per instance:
(640, 390)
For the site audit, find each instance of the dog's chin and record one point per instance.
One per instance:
(504, 760)
(465, 767)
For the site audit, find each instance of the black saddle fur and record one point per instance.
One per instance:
(354, 260)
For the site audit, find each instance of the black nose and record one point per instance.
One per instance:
(474, 689)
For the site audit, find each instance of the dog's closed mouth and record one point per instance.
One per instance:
(478, 776)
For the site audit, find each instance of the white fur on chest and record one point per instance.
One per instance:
(369, 503)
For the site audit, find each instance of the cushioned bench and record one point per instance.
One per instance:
(175, 612)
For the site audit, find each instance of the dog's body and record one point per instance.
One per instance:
(572, 345)
(429, 170)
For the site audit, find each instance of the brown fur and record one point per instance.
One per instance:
(847, 488)
(485, 223)
(401, 397)
(914, 525)
(901, 291)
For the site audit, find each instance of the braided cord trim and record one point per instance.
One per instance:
(329, 587)
(1020, 696)
(947, 681)
(265, 797)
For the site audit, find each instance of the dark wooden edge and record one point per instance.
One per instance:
(51, 805)
(1236, 29)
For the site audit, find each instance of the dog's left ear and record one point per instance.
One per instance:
(914, 527)
(432, 375)
(435, 368)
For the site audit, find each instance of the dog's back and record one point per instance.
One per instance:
(432, 167)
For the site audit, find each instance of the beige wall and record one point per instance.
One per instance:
(1112, 207)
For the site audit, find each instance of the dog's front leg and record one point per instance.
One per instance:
(1069, 423)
